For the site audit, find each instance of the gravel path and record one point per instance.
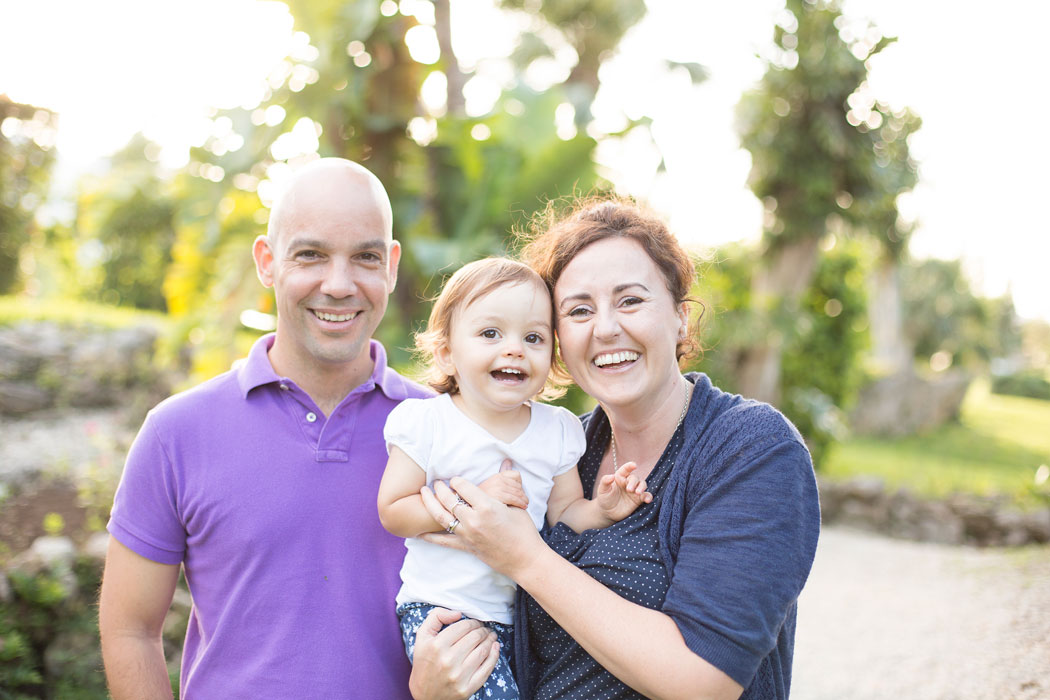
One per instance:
(883, 618)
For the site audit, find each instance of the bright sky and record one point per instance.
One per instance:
(113, 67)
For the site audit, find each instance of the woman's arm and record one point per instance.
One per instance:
(401, 511)
(660, 665)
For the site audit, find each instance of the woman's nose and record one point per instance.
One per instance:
(606, 325)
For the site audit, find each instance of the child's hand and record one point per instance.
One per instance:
(619, 494)
(506, 487)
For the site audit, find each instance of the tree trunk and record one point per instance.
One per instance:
(890, 350)
(778, 285)
(455, 77)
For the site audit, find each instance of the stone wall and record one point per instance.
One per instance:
(46, 365)
(867, 504)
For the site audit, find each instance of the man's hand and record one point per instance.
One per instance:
(451, 663)
(619, 494)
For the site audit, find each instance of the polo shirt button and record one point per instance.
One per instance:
(284, 387)
(311, 417)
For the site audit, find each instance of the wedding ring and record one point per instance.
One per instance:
(459, 502)
(451, 529)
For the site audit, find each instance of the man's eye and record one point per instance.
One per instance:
(370, 257)
(307, 255)
(490, 333)
(533, 338)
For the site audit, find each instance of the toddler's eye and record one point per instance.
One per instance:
(490, 333)
(533, 338)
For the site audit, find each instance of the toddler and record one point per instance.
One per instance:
(489, 347)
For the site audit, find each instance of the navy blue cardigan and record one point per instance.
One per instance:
(737, 527)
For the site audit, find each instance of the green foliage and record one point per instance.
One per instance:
(821, 368)
(126, 218)
(942, 314)
(1030, 383)
(593, 28)
(825, 336)
(814, 154)
(826, 157)
(48, 635)
(26, 158)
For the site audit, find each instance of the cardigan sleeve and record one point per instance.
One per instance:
(748, 536)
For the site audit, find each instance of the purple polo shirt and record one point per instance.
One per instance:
(271, 509)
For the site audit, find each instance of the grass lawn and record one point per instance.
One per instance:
(14, 309)
(996, 447)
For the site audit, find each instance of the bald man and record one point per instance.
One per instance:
(261, 483)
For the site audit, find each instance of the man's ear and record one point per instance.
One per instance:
(263, 254)
(394, 259)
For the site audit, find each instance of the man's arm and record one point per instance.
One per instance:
(136, 595)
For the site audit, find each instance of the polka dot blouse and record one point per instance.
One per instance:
(625, 557)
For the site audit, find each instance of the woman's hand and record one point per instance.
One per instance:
(505, 538)
(451, 663)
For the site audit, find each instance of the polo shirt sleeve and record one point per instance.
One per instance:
(572, 440)
(145, 516)
(408, 428)
(748, 541)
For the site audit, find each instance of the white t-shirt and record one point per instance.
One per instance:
(445, 442)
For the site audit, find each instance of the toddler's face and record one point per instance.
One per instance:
(499, 349)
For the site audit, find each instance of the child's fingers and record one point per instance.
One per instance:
(626, 469)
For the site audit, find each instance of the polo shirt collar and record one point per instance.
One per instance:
(256, 370)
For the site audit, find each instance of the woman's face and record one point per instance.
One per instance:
(618, 324)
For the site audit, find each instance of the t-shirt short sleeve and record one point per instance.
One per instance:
(573, 441)
(408, 428)
(145, 516)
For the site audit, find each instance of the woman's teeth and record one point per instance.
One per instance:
(615, 358)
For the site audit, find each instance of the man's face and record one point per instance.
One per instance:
(332, 265)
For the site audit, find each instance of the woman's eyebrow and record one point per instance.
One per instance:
(627, 285)
(579, 296)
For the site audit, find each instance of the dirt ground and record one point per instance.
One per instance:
(883, 618)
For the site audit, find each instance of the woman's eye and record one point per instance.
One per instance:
(533, 338)
(631, 301)
(489, 333)
(578, 311)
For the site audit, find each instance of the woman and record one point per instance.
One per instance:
(694, 594)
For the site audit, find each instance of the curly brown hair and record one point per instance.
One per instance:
(558, 233)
